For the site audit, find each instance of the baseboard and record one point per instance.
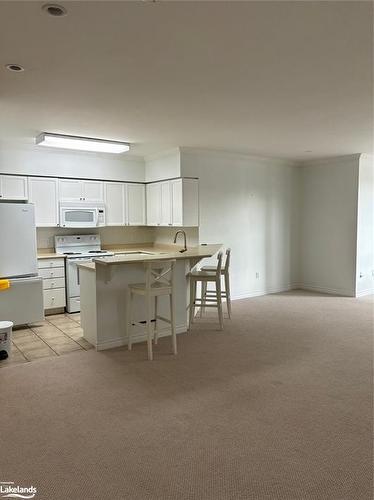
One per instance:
(330, 291)
(267, 291)
(137, 337)
(363, 293)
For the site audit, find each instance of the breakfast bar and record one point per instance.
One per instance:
(104, 284)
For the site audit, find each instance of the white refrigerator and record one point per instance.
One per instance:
(23, 302)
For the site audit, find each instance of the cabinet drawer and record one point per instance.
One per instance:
(47, 263)
(54, 298)
(57, 272)
(52, 283)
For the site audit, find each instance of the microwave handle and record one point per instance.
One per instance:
(96, 216)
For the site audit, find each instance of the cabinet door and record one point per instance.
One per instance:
(154, 204)
(43, 192)
(13, 187)
(93, 190)
(115, 203)
(136, 204)
(70, 189)
(166, 204)
(177, 202)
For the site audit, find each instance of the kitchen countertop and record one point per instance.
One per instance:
(48, 253)
(159, 252)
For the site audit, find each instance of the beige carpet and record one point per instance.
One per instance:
(278, 406)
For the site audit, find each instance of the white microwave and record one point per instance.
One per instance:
(82, 214)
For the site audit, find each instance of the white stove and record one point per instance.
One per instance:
(78, 248)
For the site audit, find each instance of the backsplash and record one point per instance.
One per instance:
(109, 235)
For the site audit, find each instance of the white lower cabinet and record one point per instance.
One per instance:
(53, 273)
(54, 298)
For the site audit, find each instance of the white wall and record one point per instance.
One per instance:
(165, 165)
(365, 227)
(329, 191)
(34, 160)
(251, 205)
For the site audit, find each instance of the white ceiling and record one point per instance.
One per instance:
(268, 78)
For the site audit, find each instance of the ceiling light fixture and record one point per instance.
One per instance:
(54, 10)
(15, 67)
(81, 143)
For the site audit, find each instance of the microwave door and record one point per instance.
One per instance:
(79, 217)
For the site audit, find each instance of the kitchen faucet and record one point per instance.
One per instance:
(184, 239)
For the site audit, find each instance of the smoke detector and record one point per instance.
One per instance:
(55, 10)
(16, 68)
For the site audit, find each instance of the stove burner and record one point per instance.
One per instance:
(97, 251)
(72, 253)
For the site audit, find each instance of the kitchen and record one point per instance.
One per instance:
(82, 210)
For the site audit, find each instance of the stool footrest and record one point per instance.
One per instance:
(164, 319)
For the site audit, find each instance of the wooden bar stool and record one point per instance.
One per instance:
(225, 294)
(205, 277)
(159, 282)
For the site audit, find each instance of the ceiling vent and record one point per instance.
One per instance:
(54, 10)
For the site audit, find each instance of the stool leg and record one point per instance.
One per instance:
(192, 301)
(203, 297)
(219, 302)
(129, 319)
(156, 329)
(172, 319)
(228, 296)
(149, 328)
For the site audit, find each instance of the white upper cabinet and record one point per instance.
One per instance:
(177, 202)
(173, 203)
(81, 190)
(154, 204)
(125, 204)
(93, 190)
(13, 187)
(166, 204)
(114, 194)
(43, 192)
(70, 189)
(135, 204)
(185, 202)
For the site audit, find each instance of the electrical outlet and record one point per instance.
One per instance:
(257, 275)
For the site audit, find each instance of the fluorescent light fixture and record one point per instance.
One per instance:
(81, 143)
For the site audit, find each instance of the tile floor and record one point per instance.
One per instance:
(56, 335)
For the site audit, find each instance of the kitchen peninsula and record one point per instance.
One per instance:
(104, 285)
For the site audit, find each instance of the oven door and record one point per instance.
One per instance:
(73, 278)
(78, 217)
